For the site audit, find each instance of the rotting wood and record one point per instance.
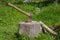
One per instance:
(54, 27)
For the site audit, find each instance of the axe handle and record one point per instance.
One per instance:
(23, 12)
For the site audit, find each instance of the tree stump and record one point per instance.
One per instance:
(31, 29)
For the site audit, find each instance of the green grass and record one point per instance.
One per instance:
(10, 18)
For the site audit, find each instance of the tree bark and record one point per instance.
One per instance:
(30, 29)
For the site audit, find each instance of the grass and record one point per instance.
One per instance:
(10, 18)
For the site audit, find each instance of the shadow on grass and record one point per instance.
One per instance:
(57, 37)
(21, 37)
(56, 28)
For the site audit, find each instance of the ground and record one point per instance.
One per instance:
(10, 18)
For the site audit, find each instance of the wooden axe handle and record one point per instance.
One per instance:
(23, 12)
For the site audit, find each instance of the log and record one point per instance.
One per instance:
(47, 28)
(31, 29)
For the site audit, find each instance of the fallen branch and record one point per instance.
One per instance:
(47, 28)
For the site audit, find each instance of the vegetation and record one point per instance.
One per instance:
(10, 18)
